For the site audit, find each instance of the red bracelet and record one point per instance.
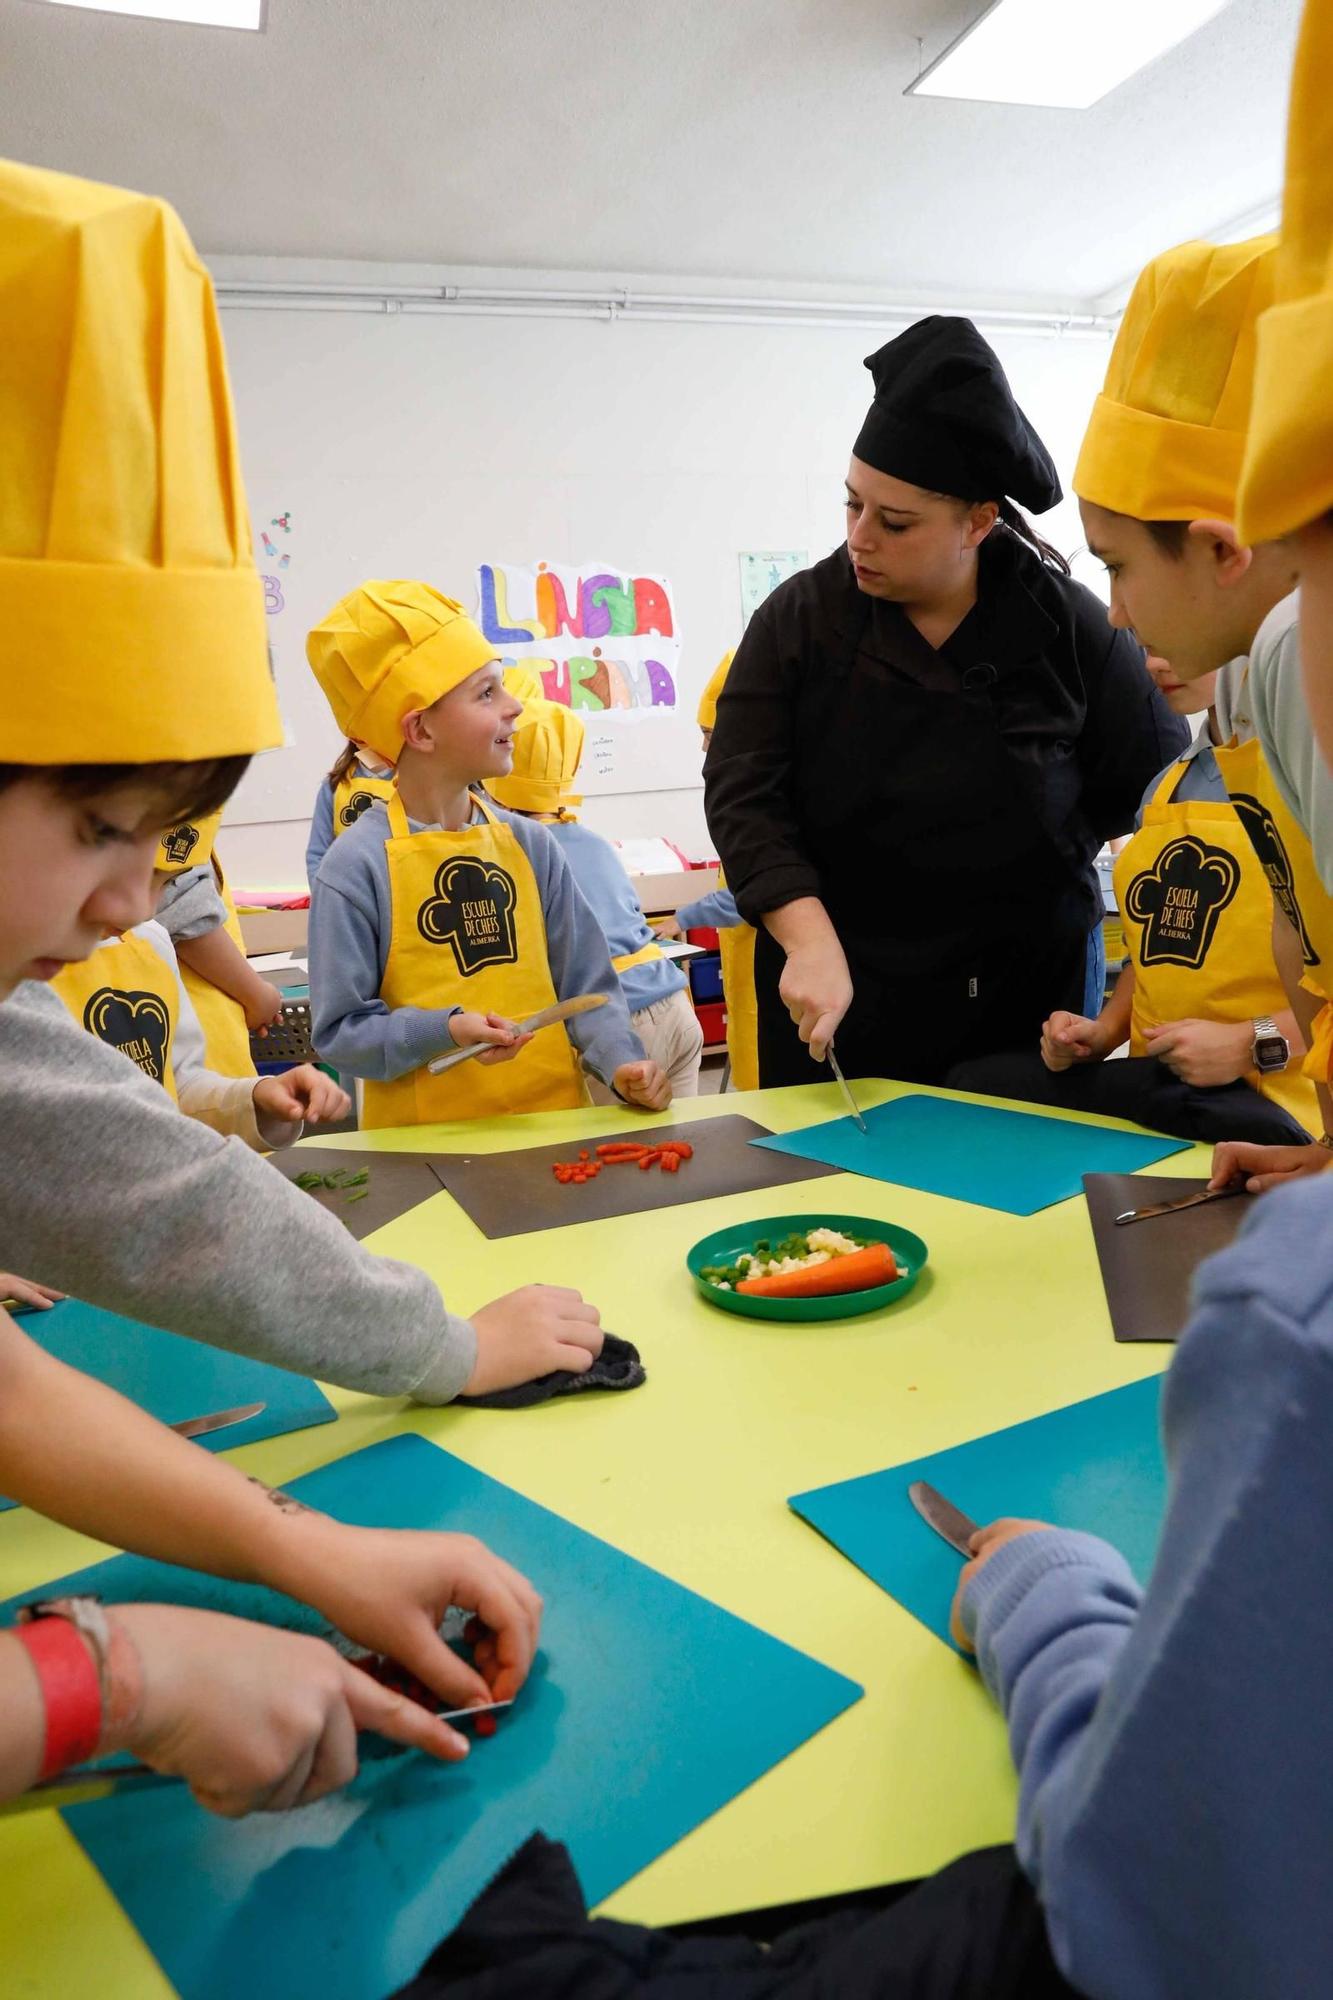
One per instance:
(71, 1691)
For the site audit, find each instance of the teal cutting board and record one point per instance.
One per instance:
(1017, 1161)
(174, 1378)
(648, 1709)
(1095, 1465)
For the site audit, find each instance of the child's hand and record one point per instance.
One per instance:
(667, 927)
(23, 1292)
(984, 1544)
(303, 1093)
(1265, 1167)
(263, 1006)
(1067, 1039)
(503, 1036)
(389, 1590)
(1203, 1052)
(533, 1332)
(643, 1083)
(255, 1719)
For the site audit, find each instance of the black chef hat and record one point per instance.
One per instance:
(944, 417)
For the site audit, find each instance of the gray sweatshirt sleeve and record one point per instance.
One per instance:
(190, 905)
(110, 1194)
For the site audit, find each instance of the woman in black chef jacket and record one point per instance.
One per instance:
(924, 740)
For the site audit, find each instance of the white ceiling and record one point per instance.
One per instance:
(755, 140)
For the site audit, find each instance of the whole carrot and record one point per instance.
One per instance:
(856, 1272)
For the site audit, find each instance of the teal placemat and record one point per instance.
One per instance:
(1095, 1465)
(648, 1709)
(1018, 1161)
(174, 1378)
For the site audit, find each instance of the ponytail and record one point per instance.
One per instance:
(343, 768)
(1018, 525)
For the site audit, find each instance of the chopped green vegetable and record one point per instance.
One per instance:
(360, 1194)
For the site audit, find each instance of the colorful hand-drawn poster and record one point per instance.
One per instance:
(603, 639)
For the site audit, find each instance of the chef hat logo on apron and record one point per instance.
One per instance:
(1179, 900)
(472, 911)
(180, 843)
(1271, 850)
(136, 1023)
(358, 803)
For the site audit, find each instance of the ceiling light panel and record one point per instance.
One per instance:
(196, 13)
(1064, 53)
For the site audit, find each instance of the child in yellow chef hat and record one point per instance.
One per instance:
(437, 921)
(136, 687)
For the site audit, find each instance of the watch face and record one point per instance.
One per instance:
(1270, 1052)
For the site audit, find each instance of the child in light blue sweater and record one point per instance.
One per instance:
(548, 747)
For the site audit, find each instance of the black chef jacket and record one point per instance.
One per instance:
(944, 804)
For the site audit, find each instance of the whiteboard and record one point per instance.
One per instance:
(426, 446)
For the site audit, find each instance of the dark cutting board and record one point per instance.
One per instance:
(1148, 1267)
(512, 1194)
(398, 1181)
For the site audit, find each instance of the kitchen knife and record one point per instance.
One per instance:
(197, 1427)
(1182, 1201)
(941, 1515)
(562, 1010)
(84, 1783)
(843, 1086)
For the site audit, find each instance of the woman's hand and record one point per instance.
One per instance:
(1203, 1053)
(254, 1719)
(816, 990)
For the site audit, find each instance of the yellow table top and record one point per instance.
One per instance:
(691, 1473)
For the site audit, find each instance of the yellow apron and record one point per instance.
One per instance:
(1283, 847)
(1198, 920)
(126, 994)
(226, 1037)
(353, 795)
(468, 929)
(736, 944)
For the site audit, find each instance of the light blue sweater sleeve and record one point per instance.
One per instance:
(350, 927)
(716, 912)
(1175, 1746)
(321, 831)
(606, 888)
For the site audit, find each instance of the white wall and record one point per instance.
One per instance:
(425, 445)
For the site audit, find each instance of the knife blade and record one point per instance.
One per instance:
(546, 1017)
(85, 1783)
(197, 1427)
(845, 1088)
(940, 1514)
(1181, 1202)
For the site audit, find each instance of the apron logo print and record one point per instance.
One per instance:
(472, 911)
(136, 1023)
(1268, 844)
(180, 843)
(1180, 899)
(358, 803)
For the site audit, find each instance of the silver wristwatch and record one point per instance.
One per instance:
(1270, 1049)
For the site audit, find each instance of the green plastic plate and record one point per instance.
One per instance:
(724, 1246)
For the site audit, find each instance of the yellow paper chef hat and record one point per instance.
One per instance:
(133, 618)
(1288, 474)
(388, 648)
(548, 745)
(1167, 433)
(187, 845)
(708, 699)
(523, 684)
